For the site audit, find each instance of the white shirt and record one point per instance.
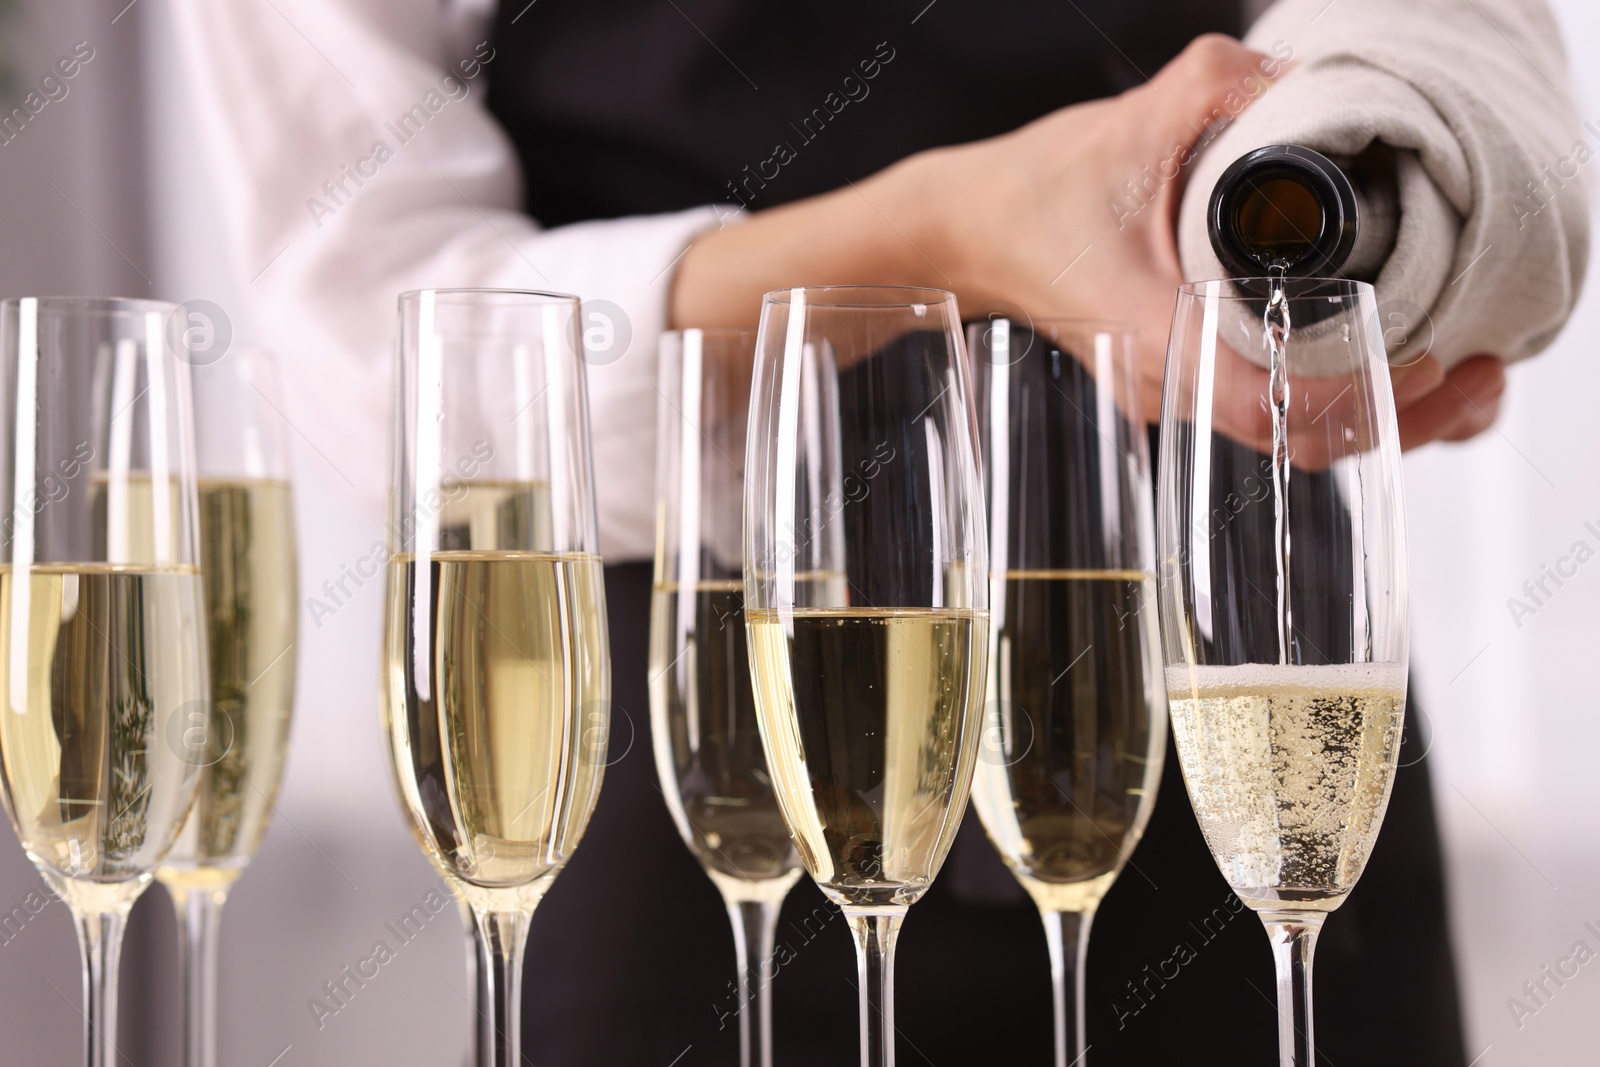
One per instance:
(334, 203)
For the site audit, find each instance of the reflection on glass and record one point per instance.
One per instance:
(497, 666)
(248, 560)
(102, 615)
(866, 599)
(1283, 598)
(713, 772)
(1075, 727)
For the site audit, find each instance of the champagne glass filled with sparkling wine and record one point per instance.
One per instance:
(1075, 724)
(103, 652)
(247, 556)
(1282, 582)
(866, 599)
(702, 707)
(497, 672)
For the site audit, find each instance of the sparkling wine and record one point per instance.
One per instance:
(100, 672)
(707, 742)
(248, 562)
(497, 710)
(870, 719)
(1276, 323)
(1075, 729)
(1289, 771)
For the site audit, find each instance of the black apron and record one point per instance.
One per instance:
(622, 107)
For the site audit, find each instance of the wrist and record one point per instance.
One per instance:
(920, 245)
(887, 229)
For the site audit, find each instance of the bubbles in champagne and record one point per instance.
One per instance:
(1289, 771)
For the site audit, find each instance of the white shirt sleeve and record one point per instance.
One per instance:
(353, 159)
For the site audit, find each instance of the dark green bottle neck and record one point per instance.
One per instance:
(1284, 206)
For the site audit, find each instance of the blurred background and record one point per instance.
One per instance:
(102, 195)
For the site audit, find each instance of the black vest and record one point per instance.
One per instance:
(620, 107)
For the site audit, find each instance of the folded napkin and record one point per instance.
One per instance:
(1492, 163)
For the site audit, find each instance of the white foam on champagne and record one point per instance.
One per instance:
(1332, 678)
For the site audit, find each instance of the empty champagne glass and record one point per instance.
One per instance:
(1075, 726)
(1282, 581)
(248, 563)
(497, 676)
(103, 652)
(703, 716)
(866, 593)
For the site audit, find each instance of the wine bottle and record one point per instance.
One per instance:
(1292, 208)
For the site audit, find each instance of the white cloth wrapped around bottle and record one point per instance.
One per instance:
(1493, 164)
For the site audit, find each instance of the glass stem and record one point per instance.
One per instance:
(875, 931)
(502, 939)
(1067, 933)
(1294, 941)
(755, 927)
(476, 974)
(100, 941)
(199, 920)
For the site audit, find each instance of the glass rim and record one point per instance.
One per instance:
(1298, 288)
(533, 296)
(103, 305)
(903, 293)
(1087, 325)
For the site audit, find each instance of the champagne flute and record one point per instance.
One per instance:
(247, 556)
(497, 674)
(103, 656)
(703, 718)
(1283, 598)
(866, 593)
(1075, 726)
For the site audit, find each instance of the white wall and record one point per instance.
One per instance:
(72, 220)
(1516, 708)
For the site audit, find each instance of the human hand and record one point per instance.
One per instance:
(1024, 220)
(1044, 219)
(1435, 406)
(1430, 405)
(1041, 220)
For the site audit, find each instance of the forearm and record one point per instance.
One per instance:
(873, 232)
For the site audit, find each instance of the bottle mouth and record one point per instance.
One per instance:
(1283, 206)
